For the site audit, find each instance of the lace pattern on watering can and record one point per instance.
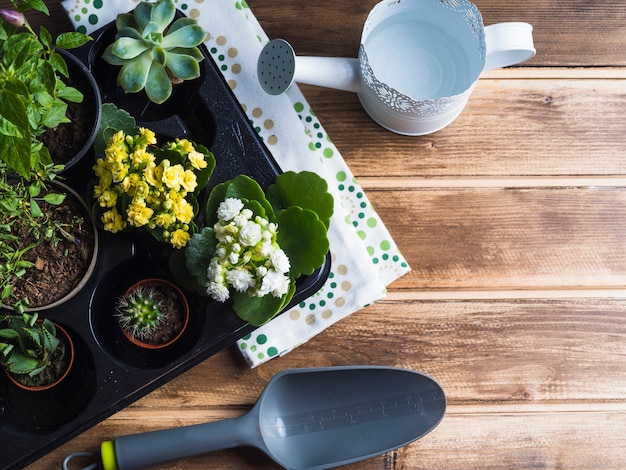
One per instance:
(402, 103)
(398, 101)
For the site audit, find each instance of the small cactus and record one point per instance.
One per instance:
(139, 312)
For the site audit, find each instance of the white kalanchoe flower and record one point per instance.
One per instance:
(275, 283)
(215, 271)
(250, 234)
(280, 261)
(240, 278)
(218, 291)
(229, 208)
(247, 256)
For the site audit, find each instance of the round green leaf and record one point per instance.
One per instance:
(304, 189)
(260, 310)
(198, 253)
(302, 236)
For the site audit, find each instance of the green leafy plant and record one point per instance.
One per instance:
(33, 94)
(155, 51)
(33, 99)
(29, 205)
(142, 185)
(30, 349)
(139, 312)
(256, 244)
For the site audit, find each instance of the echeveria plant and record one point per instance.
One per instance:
(256, 244)
(155, 52)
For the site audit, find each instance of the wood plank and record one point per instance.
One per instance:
(508, 238)
(519, 377)
(517, 352)
(585, 33)
(487, 438)
(542, 127)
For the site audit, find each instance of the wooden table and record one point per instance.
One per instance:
(514, 222)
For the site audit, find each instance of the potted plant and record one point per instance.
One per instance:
(152, 313)
(155, 50)
(142, 185)
(35, 354)
(256, 244)
(34, 94)
(36, 218)
(48, 242)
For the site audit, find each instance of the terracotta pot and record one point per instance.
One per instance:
(69, 343)
(157, 282)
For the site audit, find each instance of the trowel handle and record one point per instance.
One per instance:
(143, 450)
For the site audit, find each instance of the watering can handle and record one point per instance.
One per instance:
(508, 44)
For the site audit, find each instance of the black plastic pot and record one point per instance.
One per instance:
(92, 100)
(114, 373)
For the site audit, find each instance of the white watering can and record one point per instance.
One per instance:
(417, 65)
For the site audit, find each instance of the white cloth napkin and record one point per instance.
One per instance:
(365, 259)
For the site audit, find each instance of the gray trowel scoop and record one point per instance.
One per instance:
(305, 419)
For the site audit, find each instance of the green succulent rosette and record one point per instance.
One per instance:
(154, 50)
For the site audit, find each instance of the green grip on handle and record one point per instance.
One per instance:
(107, 451)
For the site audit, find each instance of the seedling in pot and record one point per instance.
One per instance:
(30, 350)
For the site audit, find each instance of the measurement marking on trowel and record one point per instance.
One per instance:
(360, 413)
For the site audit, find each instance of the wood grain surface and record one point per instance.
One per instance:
(513, 219)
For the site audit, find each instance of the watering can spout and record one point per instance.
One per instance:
(278, 67)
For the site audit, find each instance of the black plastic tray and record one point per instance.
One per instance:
(110, 373)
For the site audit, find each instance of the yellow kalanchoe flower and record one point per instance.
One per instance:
(197, 160)
(141, 157)
(179, 238)
(148, 136)
(172, 175)
(158, 188)
(165, 219)
(138, 213)
(113, 221)
(107, 198)
(183, 211)
(189, 181)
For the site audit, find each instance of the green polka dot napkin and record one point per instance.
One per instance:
(364, 257)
